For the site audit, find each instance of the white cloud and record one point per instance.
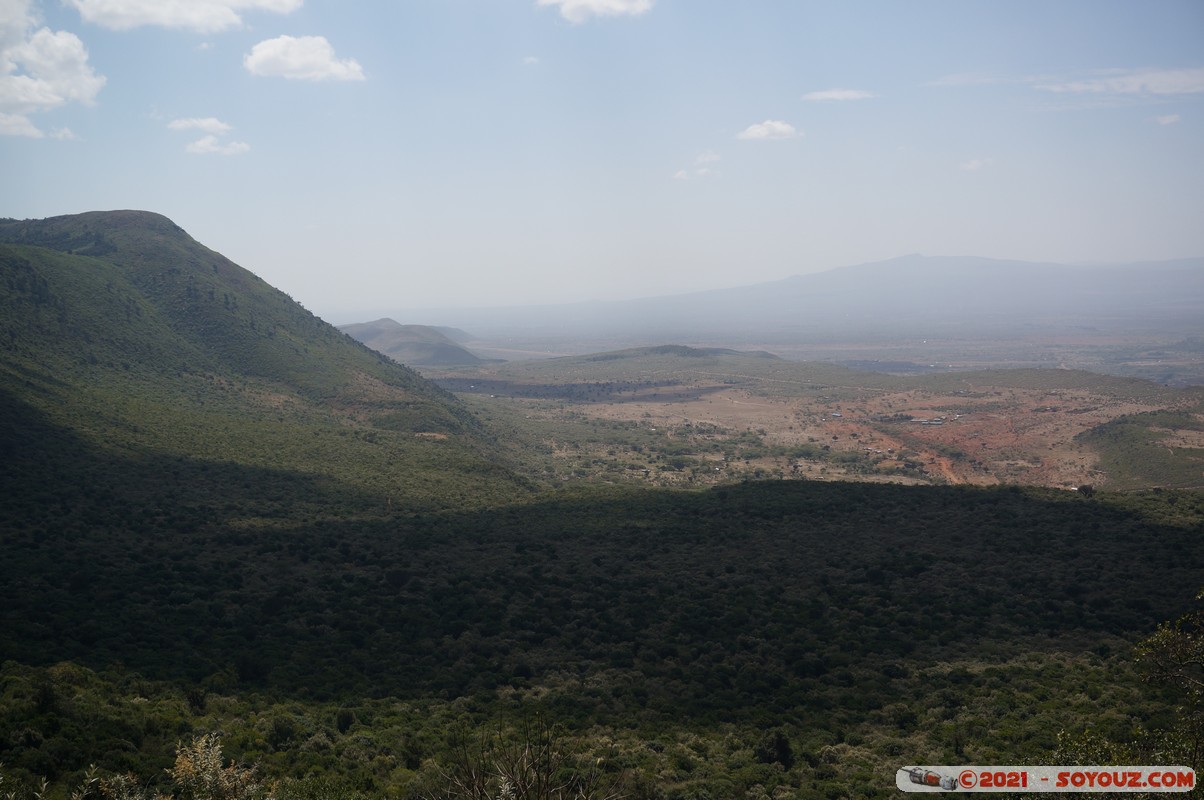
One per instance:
(1168, 119)
(769, 129)
(56, 71)
(1145, 82)
(202, 16)
(577, 11)
(206, 124)
(700, 168)
(39, 71)
(304, 58)
(64, 135)
(975, 164)
(838, 94)
(974, 79)
(18, 125)
(530, 60)
(1103, 88)
(211, 145)
(15, 21)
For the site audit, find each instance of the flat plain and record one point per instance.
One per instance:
(673, 416)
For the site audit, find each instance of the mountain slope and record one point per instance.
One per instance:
(123, 332)
(206, 300)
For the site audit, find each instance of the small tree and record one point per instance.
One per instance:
(534, 764)
(1174, 656)
(199, 774)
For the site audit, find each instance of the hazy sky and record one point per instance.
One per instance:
(366, 155)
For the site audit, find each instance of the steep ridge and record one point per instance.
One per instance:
(210, 303)
(125, 332)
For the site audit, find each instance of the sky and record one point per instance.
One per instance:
(371, 155)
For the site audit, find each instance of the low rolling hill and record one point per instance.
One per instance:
(417, 345)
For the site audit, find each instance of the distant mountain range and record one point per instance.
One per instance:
(909, 296)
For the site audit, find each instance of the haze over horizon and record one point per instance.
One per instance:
(476, 153)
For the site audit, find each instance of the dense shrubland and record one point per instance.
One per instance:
(116, 732)
(669, 633)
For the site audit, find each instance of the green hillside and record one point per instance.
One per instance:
(126, 339)
(144, 285)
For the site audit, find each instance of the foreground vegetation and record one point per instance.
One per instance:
(1027, 709)
(112, 735)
